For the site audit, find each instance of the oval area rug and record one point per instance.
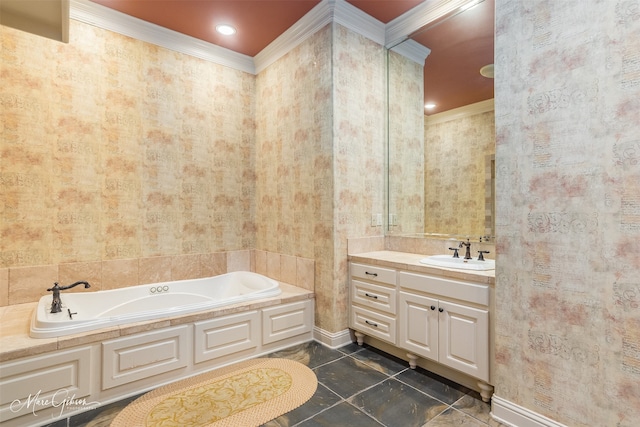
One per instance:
(248, 393)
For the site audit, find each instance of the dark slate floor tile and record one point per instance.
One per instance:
(395, 404)
(311, 354)
(341, 415)
(348, 376)
(59, 423)
(474, 406)
(381, 361)
(432, 384)
(452, 417)
(350, 348)
(322, 399)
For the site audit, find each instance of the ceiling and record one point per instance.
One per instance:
(459, 46)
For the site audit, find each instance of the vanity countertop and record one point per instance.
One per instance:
(410, 262)
(15, 321)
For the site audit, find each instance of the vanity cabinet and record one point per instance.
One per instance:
(452, 334)
(373, 302)
(435, 318)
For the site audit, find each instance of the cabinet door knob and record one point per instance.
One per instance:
(441, 309)
(433, 307)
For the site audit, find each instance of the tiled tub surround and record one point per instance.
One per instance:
(27, 284)
(394, 335)
(93, 363)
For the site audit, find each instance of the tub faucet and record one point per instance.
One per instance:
(56, 303)
(467, 253)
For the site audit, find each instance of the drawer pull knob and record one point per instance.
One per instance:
(371, 274)
(371, 296)
(433, 307)
(441, 309)
(371, 323)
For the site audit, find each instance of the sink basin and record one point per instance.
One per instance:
(447, 261)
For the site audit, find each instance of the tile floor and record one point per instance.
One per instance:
(358, 386)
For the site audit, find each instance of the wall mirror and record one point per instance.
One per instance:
(441, 161)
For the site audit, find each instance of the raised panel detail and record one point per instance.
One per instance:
(226, 335)
(419, 325)
(464, 339)
(47, 378)
(286, 321)
(140, 356)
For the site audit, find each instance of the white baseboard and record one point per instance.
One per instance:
(332, 339)
(514, 415)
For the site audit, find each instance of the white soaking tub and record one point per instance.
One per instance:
(85, 310)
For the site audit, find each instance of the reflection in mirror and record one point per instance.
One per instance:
(441, 167)
(457, 162)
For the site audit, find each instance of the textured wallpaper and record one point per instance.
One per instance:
(124, 162)
(320, 141)
(568, 209)
(455, 155)
(359, 141)
(294, 166)
(406, 145)
(114, 148)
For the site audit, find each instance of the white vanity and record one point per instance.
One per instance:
(436, 318)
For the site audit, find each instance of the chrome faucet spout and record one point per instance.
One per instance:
(56, 303)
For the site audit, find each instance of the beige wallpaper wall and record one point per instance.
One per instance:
(121, 162)
(568, 203)
(126, 163)
(406, 145)
(320, 138)
(359, 143)
(455, 154)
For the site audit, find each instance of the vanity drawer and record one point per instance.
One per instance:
(373, 274)
(373, 296)
(374, 324)
(463, 291)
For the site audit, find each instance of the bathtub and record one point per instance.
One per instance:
(86, 311)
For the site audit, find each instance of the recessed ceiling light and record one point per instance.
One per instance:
(225, 29)
(430, 106)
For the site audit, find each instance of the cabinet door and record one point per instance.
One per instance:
(419, 325)
(464, 339)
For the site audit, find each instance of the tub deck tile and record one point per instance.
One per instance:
(15, 321)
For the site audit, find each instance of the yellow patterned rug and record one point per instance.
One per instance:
(245, 394)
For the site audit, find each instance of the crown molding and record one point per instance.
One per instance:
(309, 24)
(358, 21)
(412, 50)
(461, 112)
(414, 19)
(112, 20)
(327, 11)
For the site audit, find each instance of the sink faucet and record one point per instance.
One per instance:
(467, 253)
(56, 303)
